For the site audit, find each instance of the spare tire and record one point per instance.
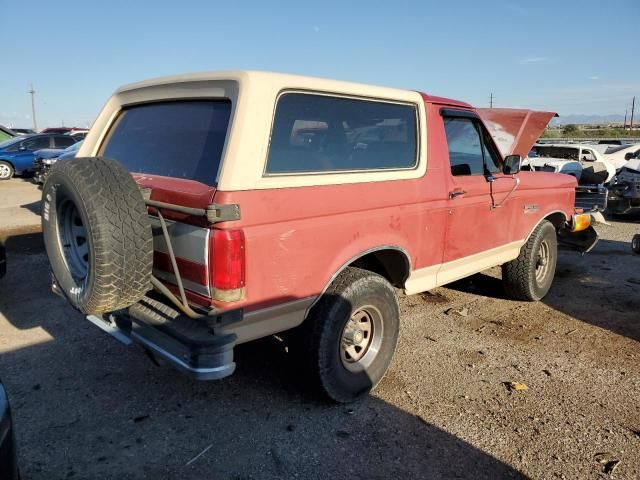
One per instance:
(97, 234)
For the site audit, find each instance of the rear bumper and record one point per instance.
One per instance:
(191, 346)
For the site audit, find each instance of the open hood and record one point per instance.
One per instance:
(515, 130)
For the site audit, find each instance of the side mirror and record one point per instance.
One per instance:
(512, 164)
(628, 156)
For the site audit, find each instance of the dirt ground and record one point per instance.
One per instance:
(87, 407)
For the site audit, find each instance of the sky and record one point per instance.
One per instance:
(572, 57)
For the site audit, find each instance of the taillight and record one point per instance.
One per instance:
(227, 260)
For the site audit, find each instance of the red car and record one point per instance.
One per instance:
(262, 203)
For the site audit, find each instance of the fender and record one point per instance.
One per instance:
(354, 259)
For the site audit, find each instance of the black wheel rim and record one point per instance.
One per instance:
(73, 238)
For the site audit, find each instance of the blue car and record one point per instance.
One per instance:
(47, 157)
(17, 154)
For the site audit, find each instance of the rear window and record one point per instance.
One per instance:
(319, 133)
(181, 139)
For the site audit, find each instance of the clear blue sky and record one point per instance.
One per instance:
(569, 56)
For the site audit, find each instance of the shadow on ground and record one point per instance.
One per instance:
(610, 272)
(87, 407)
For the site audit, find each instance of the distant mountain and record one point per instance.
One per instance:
(580, 119)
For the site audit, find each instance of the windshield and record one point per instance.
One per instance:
(617, 149)
(74, 148)
(182, 139)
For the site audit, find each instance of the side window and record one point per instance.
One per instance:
(587, 156)
(63, 142)
(36, 143)
(465, 147)
(319, 133)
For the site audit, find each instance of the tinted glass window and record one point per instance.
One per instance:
(182, 139)
(36, 143)
(465, 147)
(63, 142)
(315, 133)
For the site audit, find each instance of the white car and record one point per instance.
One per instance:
(585, 163)
(620, 155)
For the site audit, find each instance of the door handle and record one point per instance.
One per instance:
(456, 193)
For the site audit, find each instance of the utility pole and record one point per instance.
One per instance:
(491, 100)
(624, 126)
(633, 107)
(33, 107)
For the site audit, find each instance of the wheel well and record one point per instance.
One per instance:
(557, 218)
(9, 162)
(392, 264)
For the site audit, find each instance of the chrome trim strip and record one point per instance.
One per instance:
(188, 284)
(112, 330)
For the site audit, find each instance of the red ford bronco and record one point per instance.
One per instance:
(260, 203)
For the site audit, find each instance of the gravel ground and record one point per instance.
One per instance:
(86, 406)
(19, 204)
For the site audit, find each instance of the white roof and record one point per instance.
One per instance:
(251, 78)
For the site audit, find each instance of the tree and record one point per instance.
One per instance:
(570, 129)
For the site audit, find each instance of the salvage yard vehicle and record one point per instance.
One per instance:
(624, 192)
(262, 203)
(620, 155)
(45, 158)
(592, 171)
(17, 154)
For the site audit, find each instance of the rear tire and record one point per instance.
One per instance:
(529, 277)
(97, 234)
(6, 170)
(349, 337)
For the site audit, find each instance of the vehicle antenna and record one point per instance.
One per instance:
(491, 100)
(633, 107)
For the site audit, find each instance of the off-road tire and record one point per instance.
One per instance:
(319, 338)
(118, 232)
(635, 244)
(6, 170)
(519, 275)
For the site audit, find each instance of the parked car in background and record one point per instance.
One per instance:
(621, 154)
(6, 133)
(17, 154)
(583, 162)
(79, 135)
(57, 130)
(24, 131)
(624, 192)
(47, 157)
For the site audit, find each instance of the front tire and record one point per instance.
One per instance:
(348, 339)
(529, 277)
(6, 171)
